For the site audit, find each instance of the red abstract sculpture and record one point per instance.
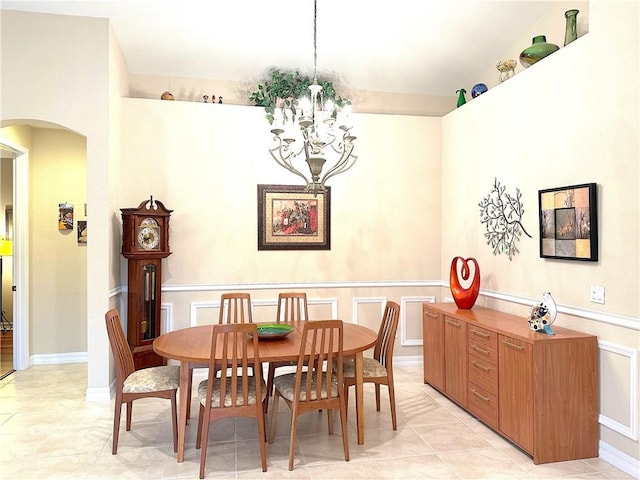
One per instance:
(464, 297)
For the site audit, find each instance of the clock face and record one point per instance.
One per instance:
(149, 234)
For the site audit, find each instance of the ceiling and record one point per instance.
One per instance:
(405, 46)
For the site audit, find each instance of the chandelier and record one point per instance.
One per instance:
(323, 130)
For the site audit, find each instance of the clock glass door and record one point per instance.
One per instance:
(148, 324)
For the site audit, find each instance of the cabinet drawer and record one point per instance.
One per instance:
(483, 343)
(483, 373)
(482, 335)
(484, 352)
(483, 404)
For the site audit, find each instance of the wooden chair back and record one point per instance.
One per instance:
(383, 350)
(321, 348)
(235, 308)
(120, 347)
(292, 307)
(236, 345)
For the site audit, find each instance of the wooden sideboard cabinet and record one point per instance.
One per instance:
(537, 390)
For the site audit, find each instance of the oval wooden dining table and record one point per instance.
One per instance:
(192, 347)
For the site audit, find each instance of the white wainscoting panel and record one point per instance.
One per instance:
(631, 430)
(404, 301)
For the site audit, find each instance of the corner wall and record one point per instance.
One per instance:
(572, 118)
(74, 93)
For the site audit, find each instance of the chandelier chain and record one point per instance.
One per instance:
(324, 134)
(315, 39)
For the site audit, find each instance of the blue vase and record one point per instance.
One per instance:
(478, 89)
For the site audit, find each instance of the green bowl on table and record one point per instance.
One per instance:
(273, 331)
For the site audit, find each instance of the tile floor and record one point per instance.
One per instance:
(48, 431)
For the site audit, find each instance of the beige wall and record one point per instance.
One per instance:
(564, 121)
(237, 93)
(59, 277)
(58, 162)
(198, 162)
(63, 75)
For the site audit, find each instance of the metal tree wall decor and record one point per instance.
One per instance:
(501, 214)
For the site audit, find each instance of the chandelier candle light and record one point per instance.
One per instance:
(325, 134)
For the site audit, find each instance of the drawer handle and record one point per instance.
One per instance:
(481, 350)
(432, 315)
(453, 324)
(481, 367)
(482, 397)
(480, 334)
(512, 345)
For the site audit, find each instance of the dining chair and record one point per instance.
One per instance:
(236, 392)
(313, 386)
(235, 308)
(133, 384)
(379, 369)
(292, 307)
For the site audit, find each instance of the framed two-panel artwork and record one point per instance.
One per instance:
(569, 222)
(291, 219)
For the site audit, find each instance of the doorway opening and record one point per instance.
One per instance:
(6, 264)
(15, 291)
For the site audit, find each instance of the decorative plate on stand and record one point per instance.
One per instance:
(273, 331)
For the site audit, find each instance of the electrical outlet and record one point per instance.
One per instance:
(597, 294)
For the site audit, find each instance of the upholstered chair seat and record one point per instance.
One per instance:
(152, 379)
(370, 368)
(287, 384)
(228, 400)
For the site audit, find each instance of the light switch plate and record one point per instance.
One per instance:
(597, 294)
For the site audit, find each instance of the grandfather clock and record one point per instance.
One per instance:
(145, 242)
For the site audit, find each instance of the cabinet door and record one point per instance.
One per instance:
(455, 359)
(515, 376)
(433, 348)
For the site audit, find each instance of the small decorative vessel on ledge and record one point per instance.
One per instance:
(506, 69)
(538, 50)
(571, 32)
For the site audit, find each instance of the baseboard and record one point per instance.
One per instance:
(620, 460)
(58, 358)
(97, 394)
(408, 361)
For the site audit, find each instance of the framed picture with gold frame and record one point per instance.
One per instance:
(569, 222)
(291, 219)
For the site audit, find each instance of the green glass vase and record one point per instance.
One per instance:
(537, 51)
(570, 32)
